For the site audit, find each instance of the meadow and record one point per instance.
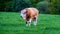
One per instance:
(12, 23)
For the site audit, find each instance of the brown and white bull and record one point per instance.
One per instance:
(30, 14)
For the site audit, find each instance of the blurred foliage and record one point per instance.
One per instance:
(44, 6)
(55, 6)
(34, 2)
(20, 4)
(15, 5)
(3, 4)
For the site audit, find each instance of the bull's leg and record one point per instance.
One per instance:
(28, 22)
(35, 21)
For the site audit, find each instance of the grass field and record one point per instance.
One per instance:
(12, 23)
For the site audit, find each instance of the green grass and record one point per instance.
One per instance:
(12, 23)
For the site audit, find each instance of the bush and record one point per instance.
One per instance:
(43, 7)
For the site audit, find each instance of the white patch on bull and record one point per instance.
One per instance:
(35, 22)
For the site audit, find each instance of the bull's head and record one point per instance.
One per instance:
(23, 14)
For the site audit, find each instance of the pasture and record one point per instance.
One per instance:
(12, 23)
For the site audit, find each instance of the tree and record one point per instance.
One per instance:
(20, 4)
(3, 4)
(55, 6)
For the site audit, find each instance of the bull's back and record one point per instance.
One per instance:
(32, 12)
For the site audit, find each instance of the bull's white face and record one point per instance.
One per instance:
(23, 13)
